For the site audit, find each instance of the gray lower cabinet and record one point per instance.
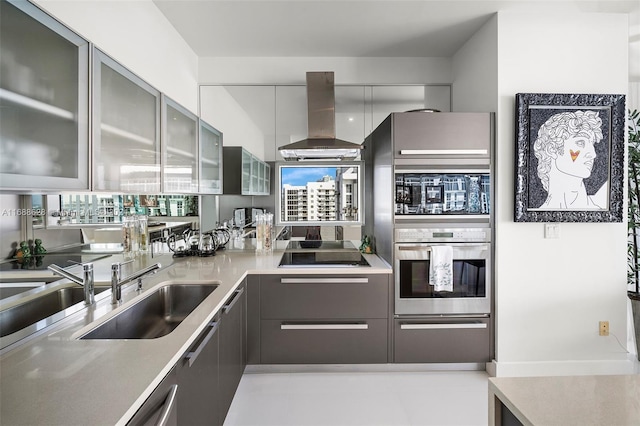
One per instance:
(332, 319)
(198, 374)
(253, 319)
(201, 386)
(233, 353)
(161, 407)
(442, 340)
(324, 342)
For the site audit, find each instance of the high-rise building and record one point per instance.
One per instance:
(327, 199)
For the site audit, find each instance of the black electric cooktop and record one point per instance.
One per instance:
(318, 253)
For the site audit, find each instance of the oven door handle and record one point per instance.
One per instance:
(436, 326)
(457, 246)
(414, 248)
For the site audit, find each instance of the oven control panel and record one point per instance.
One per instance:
(418, 235)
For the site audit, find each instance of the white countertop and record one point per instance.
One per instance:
(54, 378)
(568, 400)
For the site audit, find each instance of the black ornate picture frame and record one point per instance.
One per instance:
(569, 157)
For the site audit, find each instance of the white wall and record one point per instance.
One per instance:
(347, 70)
(551, 293)
(222, 111)
(136, 34)
(475, 71)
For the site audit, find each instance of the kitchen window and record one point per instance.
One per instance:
(319, 193)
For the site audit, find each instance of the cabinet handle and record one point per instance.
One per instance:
(192, 356)
(443, 151)
(236, 295)
(359, 326)
(440, 326)
(324, 280)
(169, 403)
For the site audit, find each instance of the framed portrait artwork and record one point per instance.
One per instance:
(569, 157)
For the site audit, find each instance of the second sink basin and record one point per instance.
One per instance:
(45, 306)
(156, 315)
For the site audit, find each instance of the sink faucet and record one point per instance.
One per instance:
(86, 281)
(117, 282)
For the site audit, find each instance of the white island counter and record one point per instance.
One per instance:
(565, 400)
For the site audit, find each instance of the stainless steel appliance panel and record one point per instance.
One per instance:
(421, 193)
(472, 275)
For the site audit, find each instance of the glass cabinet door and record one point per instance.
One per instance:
(210, 159)
(255, 170)
(126, 129)
(267, 179)
(246, 172)
(44, 101)
(260, 188)
(179, 148)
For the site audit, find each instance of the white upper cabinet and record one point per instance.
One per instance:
(210, 159)
(44, 102)
(180, 161)
(126, 129)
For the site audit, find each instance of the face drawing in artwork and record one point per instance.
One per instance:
(565, 149)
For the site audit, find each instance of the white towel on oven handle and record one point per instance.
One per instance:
(441, 268)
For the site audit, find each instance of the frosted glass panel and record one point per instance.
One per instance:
(210, 159)
(126, 130)
(180, 149)
(43, 101)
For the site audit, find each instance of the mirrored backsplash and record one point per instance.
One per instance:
(106, 209)
(62, 220)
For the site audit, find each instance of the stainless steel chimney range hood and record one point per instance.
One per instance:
(321, 143)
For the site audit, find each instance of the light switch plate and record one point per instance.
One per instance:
(552, 230)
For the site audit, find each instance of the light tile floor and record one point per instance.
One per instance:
(437, 398)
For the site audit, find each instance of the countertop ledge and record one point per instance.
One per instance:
(54, 378)
(592, 400)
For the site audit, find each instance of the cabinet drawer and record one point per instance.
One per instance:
(322, 297)
(326, 342)
(442, 340)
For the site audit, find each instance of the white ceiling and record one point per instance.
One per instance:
(355, 28)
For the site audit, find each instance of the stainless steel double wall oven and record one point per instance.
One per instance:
(440, 193)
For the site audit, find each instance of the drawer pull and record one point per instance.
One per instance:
(236, 296)
(324, 326)
(441, 326)
(192, 356)
(443, 152)
(324, 280)
(169, 405)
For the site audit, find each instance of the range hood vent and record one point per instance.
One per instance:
(321, 143)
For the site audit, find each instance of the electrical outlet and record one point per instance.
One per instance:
(551, 230)
(604, 328)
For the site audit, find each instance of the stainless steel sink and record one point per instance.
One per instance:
(6, 292)
(28, 313)
(156, 315)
